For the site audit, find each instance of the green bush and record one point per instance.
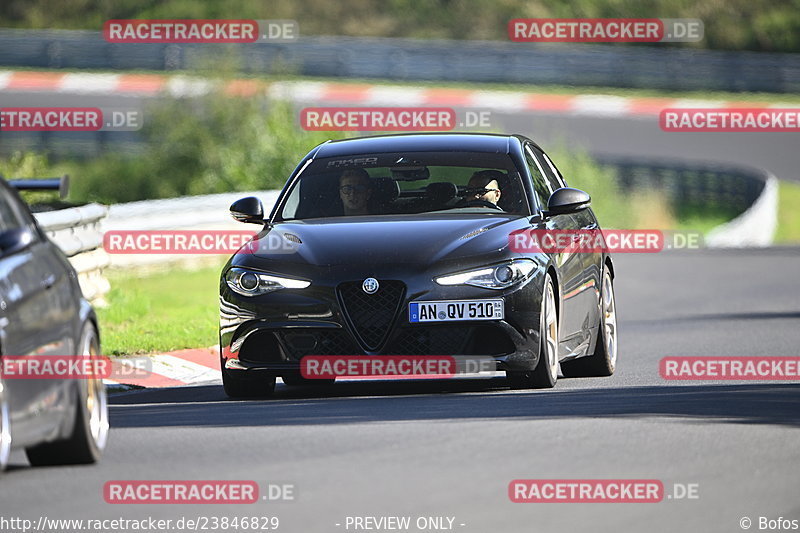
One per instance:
(25, 165)
(772, 25)
(205, 145)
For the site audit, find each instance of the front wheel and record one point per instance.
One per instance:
(603, 361)
(545, 375)
(90, 426)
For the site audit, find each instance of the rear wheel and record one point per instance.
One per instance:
(603, 361)
(258, 385)
(90, 427)
(545, 375)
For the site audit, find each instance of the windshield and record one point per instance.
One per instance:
(397, 184)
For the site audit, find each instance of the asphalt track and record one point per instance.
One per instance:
(450, 448)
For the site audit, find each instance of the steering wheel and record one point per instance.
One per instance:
(481, 203)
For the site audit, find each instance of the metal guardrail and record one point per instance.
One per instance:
(751, 192)
(654, 67)
(78, 232)
(692, 184)
(755, 227)
(205, 212)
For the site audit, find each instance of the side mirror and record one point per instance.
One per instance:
(567, 200)
(249, 210)
(14, 240)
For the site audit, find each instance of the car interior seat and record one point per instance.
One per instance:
(440, 195)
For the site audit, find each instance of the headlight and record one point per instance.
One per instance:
(252, 283)
(499, 276)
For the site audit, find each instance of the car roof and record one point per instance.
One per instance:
(417, 142)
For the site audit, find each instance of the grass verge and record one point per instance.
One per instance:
(788, 231)
(160, 311)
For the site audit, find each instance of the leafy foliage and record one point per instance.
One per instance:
(204, 145)
(767, 25)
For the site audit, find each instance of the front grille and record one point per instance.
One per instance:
(300, 342)
(371, 315)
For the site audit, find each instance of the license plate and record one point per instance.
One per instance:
(450, 310)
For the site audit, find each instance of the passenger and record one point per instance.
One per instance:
(484, 185)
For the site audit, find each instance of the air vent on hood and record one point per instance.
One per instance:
(473, 233)
(293, 238)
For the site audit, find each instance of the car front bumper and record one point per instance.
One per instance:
(273, 332)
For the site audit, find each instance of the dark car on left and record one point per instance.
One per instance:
(43, 313)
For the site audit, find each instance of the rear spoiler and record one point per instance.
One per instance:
(46, 184)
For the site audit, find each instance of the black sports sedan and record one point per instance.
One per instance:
(399, 245)
(51, 403)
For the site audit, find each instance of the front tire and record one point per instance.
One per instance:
(545, 375)
(603, 361)
(89, 434)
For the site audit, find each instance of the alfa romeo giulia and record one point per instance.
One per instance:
(399, 245)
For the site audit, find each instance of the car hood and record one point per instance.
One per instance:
(401, 239)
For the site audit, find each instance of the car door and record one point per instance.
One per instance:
(591, 262)
(28, 325)
(569, 264)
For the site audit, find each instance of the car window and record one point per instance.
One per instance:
(458, 183)
(540, 184)
(554, 178)
(292, 203)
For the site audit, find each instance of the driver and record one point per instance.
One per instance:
(484, 185)
(355, 190)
